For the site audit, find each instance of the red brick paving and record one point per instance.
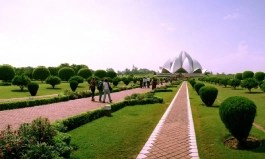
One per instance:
(173, 136)
(57, 111)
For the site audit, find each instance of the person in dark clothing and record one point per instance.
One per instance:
(92, 86)
(100, 89)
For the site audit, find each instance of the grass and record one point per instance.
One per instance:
(8, 92)
(122, 135)
(211, 132)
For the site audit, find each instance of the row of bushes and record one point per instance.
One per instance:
(237, 113)
(38, 139)
(68, 95)
(81, 119)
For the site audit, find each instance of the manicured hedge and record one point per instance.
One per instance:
(69, 95)
(81, 119)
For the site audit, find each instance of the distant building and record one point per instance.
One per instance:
(183, 63)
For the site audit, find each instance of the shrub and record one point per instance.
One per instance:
(192, 82)
(249, 83)
(79, 79)
(247, 74)
(85, 73)
(224, 81)
(7, 73)
(208, 94)
(38, 139)
(21, 81)
(126, 81)
(262, 86)
(239, 76)
(197, 86)
(116, 81)
(100, 73)
(111, 74)
(234, 83)
(53, 80)
(41, 73)
(73, 85)
(238, 113)
(65, 73)
(259, 76)
(33, 88)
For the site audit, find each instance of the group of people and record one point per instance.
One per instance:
(146, 82)
(102, 86)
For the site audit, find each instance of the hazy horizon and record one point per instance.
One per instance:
(224, 36)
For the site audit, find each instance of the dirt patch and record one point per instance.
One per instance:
(251, 143)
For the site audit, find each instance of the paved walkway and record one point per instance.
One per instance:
(57, 111)
(174, 136)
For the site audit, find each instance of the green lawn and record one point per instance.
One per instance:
(211, 132)
(7, 92)
(122, 135)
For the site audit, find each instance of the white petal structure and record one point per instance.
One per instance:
(183, 63)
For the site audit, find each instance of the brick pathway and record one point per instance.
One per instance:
(174, 136)
(58, 111)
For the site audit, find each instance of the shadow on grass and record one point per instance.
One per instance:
(18, 90)
(53, 88)
(261, 148)
(213, 106)
(254, 92)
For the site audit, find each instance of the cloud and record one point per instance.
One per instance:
(232, 16)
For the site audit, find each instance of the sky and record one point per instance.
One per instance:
(224, 36)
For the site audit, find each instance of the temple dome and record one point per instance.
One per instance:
(183, 63)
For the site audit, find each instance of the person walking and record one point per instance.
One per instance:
(92, 86)
(100, 89)
(106, 89)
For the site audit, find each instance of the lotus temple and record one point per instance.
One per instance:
(183, 63)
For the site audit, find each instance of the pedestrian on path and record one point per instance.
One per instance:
(92, 86)
(106, 89)
(100, 89)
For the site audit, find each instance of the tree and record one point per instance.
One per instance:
(259, 76)
(85, 73)
(65, 73)
(21, 81)
(53, 80)
(78, 79)
(111, 74)
(224, 81)
(250, 83)
(7, 73)
(239, 76)
(78, 67)
(100, 73)
(53, 71)
(247, 74)
(234, 83)
(41, 73)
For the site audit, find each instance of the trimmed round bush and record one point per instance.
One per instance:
(33, 88)
(66, 73)
(249, 83)
(73, 85)
(208, 94)
(53, 80)
(116, 81)
(262, 86)
(41, 73)
(238, 113)
(85, 73)
(7, 73)
(111, 74)
(247, 74)
(239, 76)
(259, 76)
(197, 86)
(192, 82)
(234, 83)
(100, 73)
(79, 79)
